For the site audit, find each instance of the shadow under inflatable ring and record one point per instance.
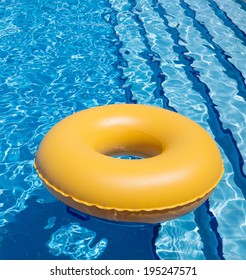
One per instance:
(180, 168)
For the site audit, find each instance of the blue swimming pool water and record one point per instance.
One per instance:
(59, 57)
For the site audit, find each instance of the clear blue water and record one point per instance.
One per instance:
(59, 57)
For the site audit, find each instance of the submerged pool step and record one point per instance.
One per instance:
(178, 45)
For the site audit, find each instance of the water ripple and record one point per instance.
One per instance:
(75, 242)
(179, 240)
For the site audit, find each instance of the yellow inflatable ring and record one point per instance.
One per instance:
(181, 166)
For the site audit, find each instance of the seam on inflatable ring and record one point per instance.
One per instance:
(129, 210)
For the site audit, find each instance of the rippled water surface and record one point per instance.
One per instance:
(60, 57)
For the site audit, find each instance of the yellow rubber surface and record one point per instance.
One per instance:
(181, 165)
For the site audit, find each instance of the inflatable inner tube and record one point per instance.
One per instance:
(180, 163)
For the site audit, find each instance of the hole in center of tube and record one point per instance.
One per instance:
(128, 145)
(133, 153)
(128, 157)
